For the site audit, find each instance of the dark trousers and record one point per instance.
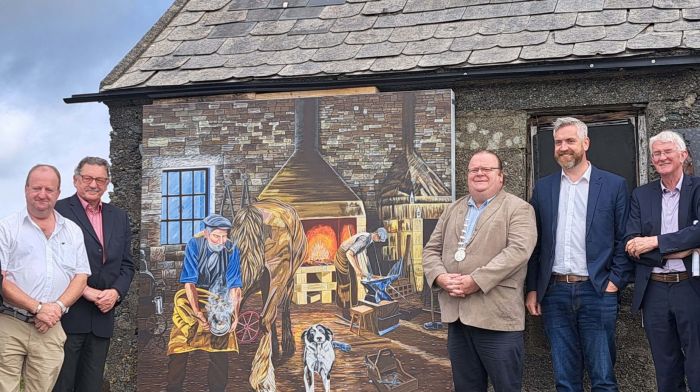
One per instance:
(84, 363)
(216, 374)
(672, 323)
(478, 355)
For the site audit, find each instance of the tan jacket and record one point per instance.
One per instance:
(497, 256)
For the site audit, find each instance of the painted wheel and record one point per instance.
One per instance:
(248, 327)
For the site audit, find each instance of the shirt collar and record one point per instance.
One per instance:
(471, 203)
(586, 175)
(88, 208)
(24, 216)
(676, 188)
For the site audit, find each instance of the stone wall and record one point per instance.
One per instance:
(490, 115)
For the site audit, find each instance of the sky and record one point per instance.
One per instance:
(50, 51)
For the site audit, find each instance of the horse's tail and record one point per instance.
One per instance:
(247, 232)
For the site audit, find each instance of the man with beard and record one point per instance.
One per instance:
(205, 312)
(579, 264)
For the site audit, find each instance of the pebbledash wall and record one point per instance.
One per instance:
(489, 114)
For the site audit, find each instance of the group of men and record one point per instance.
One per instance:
(578, 242)
(65, 265)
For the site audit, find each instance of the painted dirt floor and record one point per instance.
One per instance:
(422, 353)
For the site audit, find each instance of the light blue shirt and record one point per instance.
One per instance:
(472, 217)
(670, 199)
(570, 249)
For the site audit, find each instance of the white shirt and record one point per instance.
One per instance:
(570, 249)
(41, 267)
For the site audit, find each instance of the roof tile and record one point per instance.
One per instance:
(169, 78)
(412, 33)
(368, 36)
(228, 30)
(259, 15)
(221, 17)
(382, 49)
(655, 40)
(163, 63)
(273, 27)
(523, 38)
(205, 46)
(205, 5)
(303, 69)
(275, 43)
(208, 61)
(691, 39)
(397, 63)
(215, 74)
(292, 56)
(457, 29)
(287, 3)
(579, 34)
(301, 13)
(652, 15)
(579, 5)
(611, 4)
(383, 7)
(494, 55)
(347, 66)
(678, 25)
(161, 48)
(354, 23)
(424, 5)
(533, 7)
(322, 40)
(474, 42)
(189, 33)
(428, 46)
(247, 4)
(239, 45)
(419, 18)
(624, 31)
(186, 18)
(311, 26)
(317, 3)
(251, 59)
(676, 3)
(340, 11)
(486, 11)
(258, 71)
(511, 24)
(599, 48)
(598, 18)
(130, 79)
(335, 53)
(551, 21)
(547, 50)
(443, 59)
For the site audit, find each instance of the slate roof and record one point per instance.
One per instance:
(200, 41)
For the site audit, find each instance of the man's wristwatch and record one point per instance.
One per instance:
(64, 308)
(38, 308)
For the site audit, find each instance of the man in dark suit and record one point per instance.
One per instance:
(660, 230)
(579, 263)
(90, 322)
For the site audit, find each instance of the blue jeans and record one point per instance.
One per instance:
(580, 325)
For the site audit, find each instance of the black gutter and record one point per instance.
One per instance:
(386, 81)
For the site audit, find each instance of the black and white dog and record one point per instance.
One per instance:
(318, 356)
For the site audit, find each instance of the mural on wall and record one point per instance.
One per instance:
(321, 268)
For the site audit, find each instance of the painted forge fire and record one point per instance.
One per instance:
(321, 244)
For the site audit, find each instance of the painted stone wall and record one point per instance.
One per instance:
(488, 115)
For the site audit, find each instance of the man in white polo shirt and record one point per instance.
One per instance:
(45, 269)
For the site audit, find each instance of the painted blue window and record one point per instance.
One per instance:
(184, 203)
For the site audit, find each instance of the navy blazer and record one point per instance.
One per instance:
(115, 273)
(645, 220)
(606, 213)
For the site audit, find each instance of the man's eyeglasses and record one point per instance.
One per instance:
(87, 180)
(658, 154)
(485, 170)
